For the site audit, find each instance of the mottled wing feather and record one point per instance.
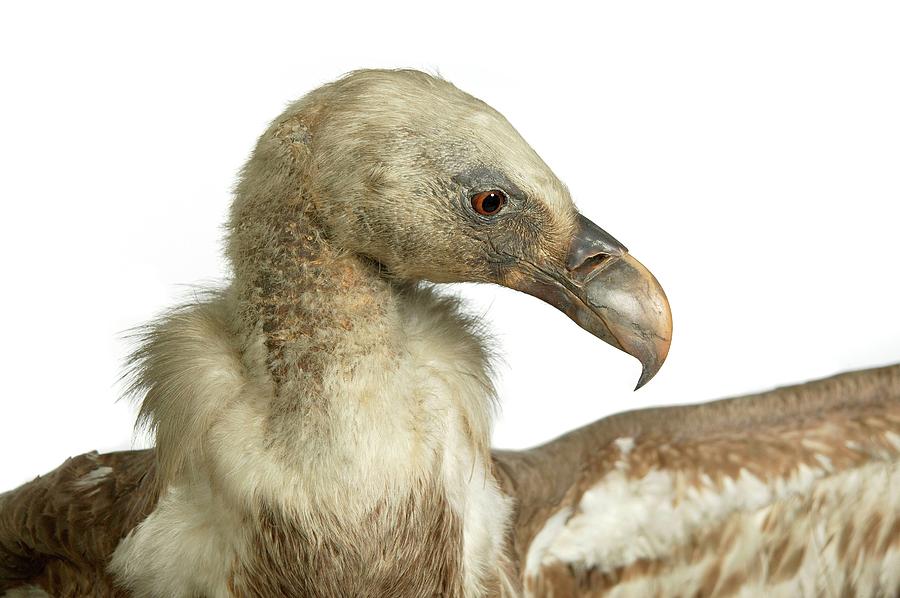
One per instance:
(794, 492)
(58, 531)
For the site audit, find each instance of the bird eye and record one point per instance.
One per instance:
(488, 203)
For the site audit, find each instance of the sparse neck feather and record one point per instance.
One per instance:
(315, 307)
(336, 329)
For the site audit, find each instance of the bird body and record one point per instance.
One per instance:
(323, 424)
(792, 492)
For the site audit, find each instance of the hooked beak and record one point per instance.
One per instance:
(608, 293)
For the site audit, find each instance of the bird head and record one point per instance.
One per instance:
(406, 170)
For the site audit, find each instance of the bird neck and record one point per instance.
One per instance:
(348, 351)
(318, 311)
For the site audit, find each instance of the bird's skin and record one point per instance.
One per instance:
(322, 423)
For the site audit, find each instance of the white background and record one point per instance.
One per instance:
(747, 153)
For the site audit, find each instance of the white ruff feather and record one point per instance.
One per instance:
(220, 463)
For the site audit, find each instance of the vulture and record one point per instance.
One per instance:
(322, 422)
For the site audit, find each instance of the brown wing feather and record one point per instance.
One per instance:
(789, 446)
(58, 531)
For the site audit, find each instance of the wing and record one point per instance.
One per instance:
(58, 531)
(794, 492)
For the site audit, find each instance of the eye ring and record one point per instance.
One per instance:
(489, 203)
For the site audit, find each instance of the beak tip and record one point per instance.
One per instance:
(644, 379)
(648, 371)
(647, 374)
(653, 355)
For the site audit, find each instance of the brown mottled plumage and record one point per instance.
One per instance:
(58, 531)
(322, 424)
(848, 425)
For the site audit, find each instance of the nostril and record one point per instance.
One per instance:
(590, 247)
(590, 264)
